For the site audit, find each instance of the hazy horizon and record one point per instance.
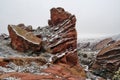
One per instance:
(94, 17)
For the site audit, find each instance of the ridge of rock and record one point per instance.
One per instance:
(60, 37)
(108, 60)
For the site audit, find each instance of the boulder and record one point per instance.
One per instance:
(108, 60)
(23, 40)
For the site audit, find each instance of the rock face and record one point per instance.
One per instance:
(103, 43)
(108, 59)
(23, 40)
(60, 37)
(58, 15)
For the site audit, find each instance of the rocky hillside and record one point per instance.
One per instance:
(52, 52)
(103, 57)
(43, 53)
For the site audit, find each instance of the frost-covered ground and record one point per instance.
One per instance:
(86, 58)
(6, 52)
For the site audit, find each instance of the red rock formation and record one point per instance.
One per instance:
(54, 72)
(103, 43)
(84, 45)
(58, 15)
(62, 35)
(108, 59)
(60, 39)
(23, 40)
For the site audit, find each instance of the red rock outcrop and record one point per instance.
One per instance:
(61, 36)
(23, 40)
(108, 59)
(103, 43)
(60, 39)
(54, 72)
(58, 15)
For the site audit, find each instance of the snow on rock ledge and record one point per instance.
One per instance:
(60, 37)
(23, 40)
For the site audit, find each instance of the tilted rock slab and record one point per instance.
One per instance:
(60, 39)
(108, 59)
(61, 36)
(103, 43)
(23, 40)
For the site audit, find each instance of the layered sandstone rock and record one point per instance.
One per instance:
(54, 72)
(27, 28)
(23, 40)
(58, 15)
(60, 36)
(59, 39)
(108, 59)
(103, 43)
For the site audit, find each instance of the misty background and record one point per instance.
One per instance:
(95, 18)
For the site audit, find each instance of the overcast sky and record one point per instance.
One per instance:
(93, 16)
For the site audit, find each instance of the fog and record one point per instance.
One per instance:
(94, 17)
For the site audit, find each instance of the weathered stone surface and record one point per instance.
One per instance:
(23, 40)
(60, 37)
(54, 72)
(103, 43)
(108, 59)
(58, 15)
(27, 28)
(65, 71)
